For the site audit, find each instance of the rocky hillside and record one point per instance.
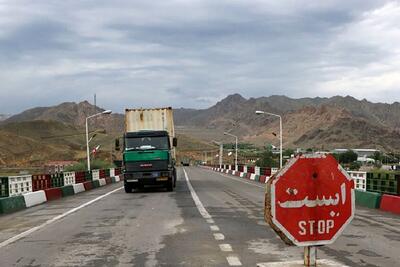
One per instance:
(71, 113)
(4, 117)
(322, 123)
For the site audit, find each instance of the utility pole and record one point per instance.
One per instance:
(221, 152)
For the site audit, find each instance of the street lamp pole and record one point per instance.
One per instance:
(87, 134)
(221, 152)
(280, 132)
(236, 149)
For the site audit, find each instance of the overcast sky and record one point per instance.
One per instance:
(194, 53)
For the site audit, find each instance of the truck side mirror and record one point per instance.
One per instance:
(175, 141)
(117, 148)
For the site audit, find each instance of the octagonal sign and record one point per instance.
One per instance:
(312, 200)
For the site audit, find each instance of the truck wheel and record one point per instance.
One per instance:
(128, 188)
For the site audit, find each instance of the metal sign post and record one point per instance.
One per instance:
(310, 256)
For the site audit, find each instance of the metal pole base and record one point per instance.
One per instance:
(310, 256)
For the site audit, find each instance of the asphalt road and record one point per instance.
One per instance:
(214, 220)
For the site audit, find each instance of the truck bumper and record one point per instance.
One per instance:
(140, 180)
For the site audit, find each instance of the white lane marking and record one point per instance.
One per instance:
(239, 180)
(196, 199)
(233, 261)
(50, 221)
(214, 228)
(219, 236)
(225, 247)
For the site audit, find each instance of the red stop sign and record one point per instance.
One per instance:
(312, 200)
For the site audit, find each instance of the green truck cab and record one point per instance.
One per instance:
(148, 156)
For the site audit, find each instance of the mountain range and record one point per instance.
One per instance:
(321, 123)
(57, 132)
(4, 117)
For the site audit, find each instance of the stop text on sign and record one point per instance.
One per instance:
(315, 227)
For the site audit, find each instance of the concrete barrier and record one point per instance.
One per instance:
(67, 190)
(78, 188)
(368, 199)
(102, 182)
(35, 198)
(29, 199)
(11, 204)
(390, 203)
(95, 183)
(88, 185)
(53, 193)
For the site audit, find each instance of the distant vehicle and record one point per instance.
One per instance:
(185, 161)
(149, 148)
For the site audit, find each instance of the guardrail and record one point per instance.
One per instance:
(24, 191)
(377, 190)
(17, 185)
(375, 181)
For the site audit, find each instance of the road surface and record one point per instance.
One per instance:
(211, 219)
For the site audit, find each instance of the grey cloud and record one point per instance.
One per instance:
(178, 53)
(39, 36)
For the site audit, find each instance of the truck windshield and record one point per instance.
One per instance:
(146, 143)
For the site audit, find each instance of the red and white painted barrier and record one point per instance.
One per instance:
(49, 194)
(250, 173)
(390, 203)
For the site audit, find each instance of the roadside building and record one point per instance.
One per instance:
(361, 152)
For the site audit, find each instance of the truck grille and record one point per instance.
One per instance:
(143, 166)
